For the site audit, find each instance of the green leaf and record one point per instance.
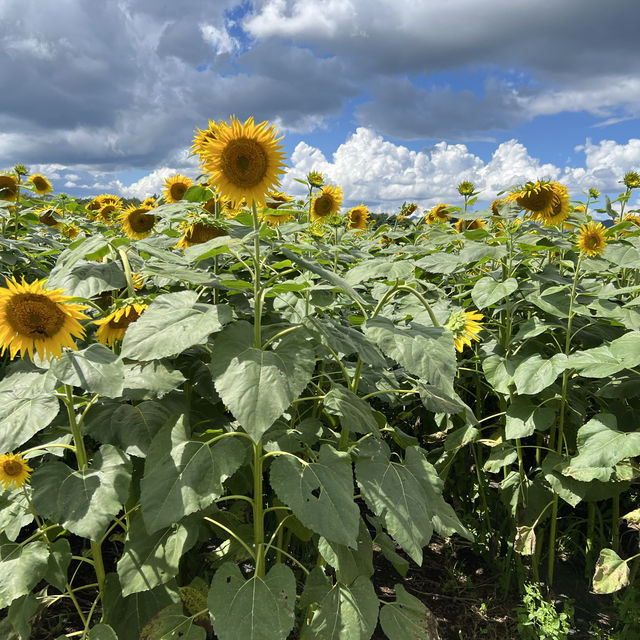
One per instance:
(21, 568)
(172, 323)
(600, 447)
(20, 614)
(440, 263)
(149, 380)
(83, 501)
(393, 492)
(320, 494)
(346, 613)
(534, 374)
(525, 541)
(524, 417)
(102, 632)
(438, 401)
(349, 563)
(407, 618)
(488, 291)
(427, 352)
(380, 268)
(88, 279)
(500, 371)
(129, 427)
(254, 608)
(259, 385)
(149, 560)
(95, 369)
(611, 574)
(605, 360)
(355, 413)
(172, 624)
(27, 405)
(182, 476)
(14, 513)
(501, 455)
(570, 490)
(58, 564)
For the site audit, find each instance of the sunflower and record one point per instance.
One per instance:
(465, 326)
(592, 239)
(8, 188)
(33, 318)
(108, 198)
(327, 202)
(495, 206)
(14, 471)
(41, 184)
(631, 180)
(203, 137)
(71, 231)
(245, 160)
(199, 232)
(468, 225)
(439, 213)
(148, 203)
(407, 210)
(175, 187)
(559, 209)
(108, 213)
(315, 179)
(46, 216)
(358, 217)
(114, 326)
(466, 188)
(136, 222)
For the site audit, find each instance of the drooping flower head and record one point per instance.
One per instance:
(33, 318)
(14, 471)
(137, 222)
(8, 187)
(327, 202)
(114, 326)
(245, 160)
(201, 231)
(406, 210)
(175, 187)
(439, 213)
(468, 225)
(465, 326)
(49, 216)
(592, 239)
(40, 184)
(358, 217)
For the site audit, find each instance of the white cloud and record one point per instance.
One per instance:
(150, 184)
(219, 39)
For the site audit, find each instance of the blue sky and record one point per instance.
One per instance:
(394, 100)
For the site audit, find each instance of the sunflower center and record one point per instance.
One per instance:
(593, 242)
(199, 233)
(32, 314)
(536, 200)
(244, 162)
(178, 190)
(40, 183)
(12, 467)
(141, 222)
(323, 205)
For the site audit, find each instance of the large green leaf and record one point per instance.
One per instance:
(320, 493)
(611, 574)
(355, 413)
(524, 417)
(440, 263)
(149, 560)
(59, 561)
(600, 447)
(88, 279)
(150, 380)
(102, 632)
(346, 612)
(27, 405)
(605, 360)
(20, 614)
(83, 501)
(488, 291)
(172, 624)
(393, 492)
(427, 352)
(14, 513)
(262, 609)
(21, 568)
(534, 374)
(182, 476)
(95, 369)
(259, 385)
(172, 323)
(407, 618)
(379, 268)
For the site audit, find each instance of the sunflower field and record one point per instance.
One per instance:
(223, 409)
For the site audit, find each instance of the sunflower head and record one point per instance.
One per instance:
(175, 187)
(33, 318)
(203, 137)
(71, 231)
(14, 471)
(594, 194)
(201, 231)
(108, 213)
(358, 217)
(580, 209)
(8, 187)
(41, 185)
(466, 188)
(108, 198)
(326, 203)
(245, 160)
(277, 198)
(315, 179)
(406, 210)
(465, 326)
(137, 222)
(495, 206)
(536, 197)
(468, 225)
(114, 326)
(592, 239)
(149, 203)
(439, 213)
(631, 180)
(49, 216)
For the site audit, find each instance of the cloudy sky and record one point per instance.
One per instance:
(394, 100)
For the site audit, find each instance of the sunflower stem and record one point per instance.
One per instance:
(127, 273)
(257, 273)
(258, 510)
(83, 463)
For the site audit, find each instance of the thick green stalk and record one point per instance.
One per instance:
(127, 273)
(258, 510)
(257, 272)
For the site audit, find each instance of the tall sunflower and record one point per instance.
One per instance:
(358, 217)
(327, 202)
(244, 160)
(14, 471)
(175, 187)
(558, 212)
(114, 326)
(137, 222)
(465, 326)
(8, 187)
(592, 239)
(40, 184)
(33, 318)
(439, 213)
